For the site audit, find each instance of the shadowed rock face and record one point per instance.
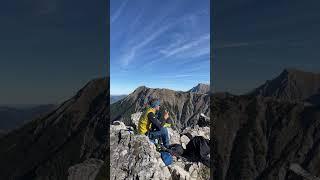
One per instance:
(291, 85)
(258, 138)
(46, 147)
(184, 107)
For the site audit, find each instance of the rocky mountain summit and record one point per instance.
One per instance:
(133, 156)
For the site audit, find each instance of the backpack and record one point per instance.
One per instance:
(197, 149)
(176, 149)
(166, 158)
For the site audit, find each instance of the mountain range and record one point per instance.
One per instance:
(256, 136)
(262, 134)
(184, 107)
(115, 98)
(47, 146)
(14, 117)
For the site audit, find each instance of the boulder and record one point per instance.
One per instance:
(198, 131)
(117, 126)
(174, 136)
(133, 156)
(87, 170)
(178, 173)
(135, 118)
(184, 141)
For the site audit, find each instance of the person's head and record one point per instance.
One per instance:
(155, 104)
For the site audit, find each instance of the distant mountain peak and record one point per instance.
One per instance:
(140, 88)
(200, 88)
(292, 84)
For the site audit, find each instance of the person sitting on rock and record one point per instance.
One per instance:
(150, 125)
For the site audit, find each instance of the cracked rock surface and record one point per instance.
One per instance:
(133, 156)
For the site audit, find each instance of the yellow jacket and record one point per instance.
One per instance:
(144, 124)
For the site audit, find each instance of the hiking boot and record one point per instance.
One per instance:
(160, 147)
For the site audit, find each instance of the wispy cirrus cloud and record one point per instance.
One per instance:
(133, 50)
(195, 47)
(155, 41)
(183, 48)
(118, 12)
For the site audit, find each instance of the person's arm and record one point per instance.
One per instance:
(154, 120)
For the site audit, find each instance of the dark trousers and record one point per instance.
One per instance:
(162, 133)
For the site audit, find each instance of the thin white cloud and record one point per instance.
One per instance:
(187, 54)
(116, 15)
(201, 51)
(180, 46)
(191, 45)
(128, 57)
(152, 37)
(177, 40)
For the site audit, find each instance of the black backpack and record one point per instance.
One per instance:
(176, 149)
(198, 149)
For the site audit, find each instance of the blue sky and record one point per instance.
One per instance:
(159, 44)
(255, 40)
(50, 48)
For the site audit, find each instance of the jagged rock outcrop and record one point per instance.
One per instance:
(290, 85)
(197, 131)
(135, 119)
(200, 88)
(184, 107)
(86, 170)
(46, 147)
(258, 138)
(133, 156)
(189, 171)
